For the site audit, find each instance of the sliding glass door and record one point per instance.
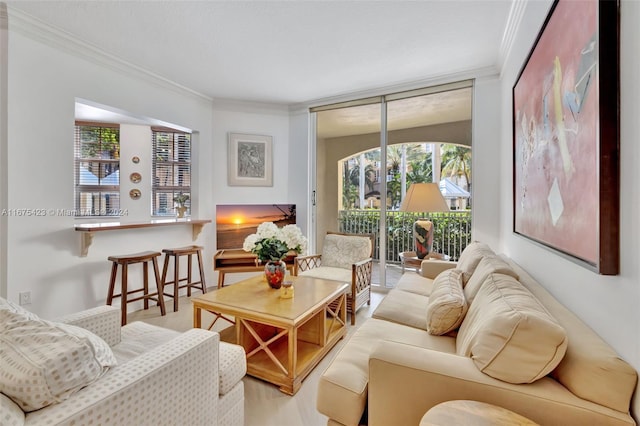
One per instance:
(369, 152)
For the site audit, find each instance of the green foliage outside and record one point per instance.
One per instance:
(452, 231)
(99, 142)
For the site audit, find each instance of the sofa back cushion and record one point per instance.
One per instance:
(44, 362)
(509, 334)
(470, 257)
(342, 251)
(591, 369)
(487, 265)
(447, 304)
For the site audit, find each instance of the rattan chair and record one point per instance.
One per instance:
(346, 258)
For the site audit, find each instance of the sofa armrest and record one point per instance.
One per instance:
(146, 390)
(405, 381)
(102, 320)
(431, 268)
(304, 263)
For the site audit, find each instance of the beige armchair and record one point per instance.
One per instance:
(346, 258)
(162, 376)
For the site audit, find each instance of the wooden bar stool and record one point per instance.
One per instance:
(129, 259)
(188, 251)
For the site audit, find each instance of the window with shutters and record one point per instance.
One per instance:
(171, 172)
(97, 169)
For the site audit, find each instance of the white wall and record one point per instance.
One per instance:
(609, 304)
(44, 84)
(43, 252)
(487, 157)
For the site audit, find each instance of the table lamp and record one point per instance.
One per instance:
(423, 198)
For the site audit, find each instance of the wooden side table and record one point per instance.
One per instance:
(472, 413)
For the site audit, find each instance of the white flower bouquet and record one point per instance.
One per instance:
(273, 243)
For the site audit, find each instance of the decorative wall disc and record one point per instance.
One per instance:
(135, 177)
(135, 194)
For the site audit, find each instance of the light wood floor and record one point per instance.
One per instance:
(265, 405)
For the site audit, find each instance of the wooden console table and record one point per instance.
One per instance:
(237, 260)
(88, 229)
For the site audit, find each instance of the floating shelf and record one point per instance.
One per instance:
(89, 229)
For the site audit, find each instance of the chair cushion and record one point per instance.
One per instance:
(470, 257)
(329, 273)
(487, 265)
(509, 334)
(44, 362)
(447, 304)
(342, 251)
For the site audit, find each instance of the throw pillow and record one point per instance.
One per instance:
(447, 304)
(43, 362)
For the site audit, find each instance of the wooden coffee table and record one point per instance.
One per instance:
(284, 339)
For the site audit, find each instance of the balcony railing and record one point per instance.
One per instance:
(452, 230)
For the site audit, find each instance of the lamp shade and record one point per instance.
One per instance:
(424, 197)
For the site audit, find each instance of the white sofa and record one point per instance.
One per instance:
(161, 377)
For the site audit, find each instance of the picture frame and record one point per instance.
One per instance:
(250, 160)
(566, 193)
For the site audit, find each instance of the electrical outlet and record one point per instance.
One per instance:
(25, 298)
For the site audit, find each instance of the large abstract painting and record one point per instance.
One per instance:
(565, 125)
(234, 222)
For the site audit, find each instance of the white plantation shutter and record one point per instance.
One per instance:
(171, 169)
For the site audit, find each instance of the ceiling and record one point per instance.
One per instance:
(287, 52)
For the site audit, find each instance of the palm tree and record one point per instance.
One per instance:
(420, 171)
(457, 162)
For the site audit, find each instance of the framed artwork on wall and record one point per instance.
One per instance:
(250, 160)
(234, 222)
(566, 136)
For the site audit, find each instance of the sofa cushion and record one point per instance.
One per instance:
(44, 362)
(404, 308)
(342, 388)
(140, 337)
(447, 305)
(342, 251)
(470, 257)
(487, 265)
(10, 413)
(415, 283)
(509, 334)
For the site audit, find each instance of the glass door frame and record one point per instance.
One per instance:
(382, 100)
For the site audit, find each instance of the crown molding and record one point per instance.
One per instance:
(467, 74)
(257, 107)
(511, 29)
(40, 31)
